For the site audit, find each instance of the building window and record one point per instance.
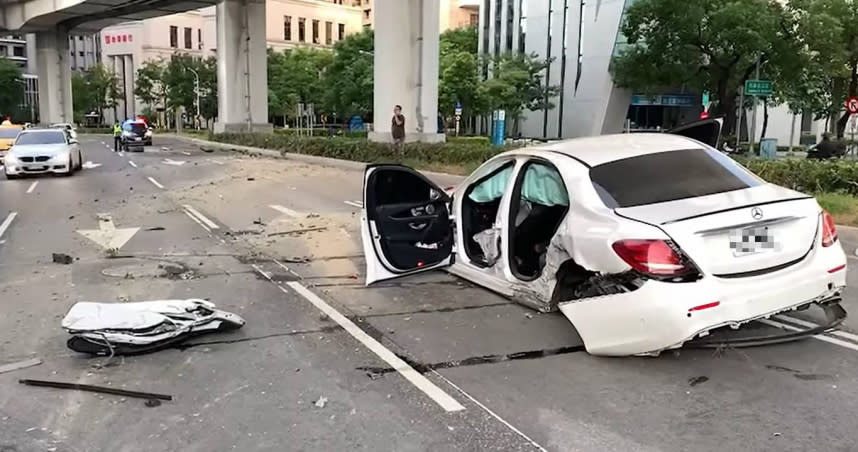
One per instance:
(174, 36)
(4, 51)
(287, 28)
(367, 13)
(329, 32)
(80, 54)
(189, 44)
(315, 32)
(474, 19)
(18, 51)
(341, 32)
(302, 31)
(199, 38)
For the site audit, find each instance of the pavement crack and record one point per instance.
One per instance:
(376, 372)
(326, 329)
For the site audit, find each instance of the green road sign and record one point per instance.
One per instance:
(758, 88)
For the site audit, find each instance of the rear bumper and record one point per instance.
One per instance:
(662, 315)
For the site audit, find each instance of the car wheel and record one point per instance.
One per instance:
(11, 176)
(79, 161)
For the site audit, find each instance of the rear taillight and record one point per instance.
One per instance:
(829, 231)
(652, 257)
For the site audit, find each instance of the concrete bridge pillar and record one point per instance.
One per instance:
(242, 69)
(406, 68)
(54, 71)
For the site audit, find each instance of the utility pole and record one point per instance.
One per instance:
(739, 121)
(754, 122)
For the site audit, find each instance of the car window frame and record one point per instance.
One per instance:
(502, 163)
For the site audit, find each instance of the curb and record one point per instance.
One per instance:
(304, 158)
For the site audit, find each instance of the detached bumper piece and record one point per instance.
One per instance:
(758, 334)
(137, 328)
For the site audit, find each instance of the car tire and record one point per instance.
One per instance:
(79, 161)
(11, 176)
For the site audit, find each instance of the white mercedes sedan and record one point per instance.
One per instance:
(645, 242)
(41, 151)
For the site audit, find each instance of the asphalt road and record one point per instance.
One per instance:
(475, 372)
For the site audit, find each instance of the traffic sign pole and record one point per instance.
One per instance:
(754, 122)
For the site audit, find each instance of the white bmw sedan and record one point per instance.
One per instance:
(643, 241)
(40, 151)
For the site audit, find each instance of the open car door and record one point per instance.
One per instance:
(406, 226)
(707, 131)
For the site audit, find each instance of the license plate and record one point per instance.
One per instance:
(751, 240)
(36, 168)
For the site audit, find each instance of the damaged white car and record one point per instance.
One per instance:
(643, 241)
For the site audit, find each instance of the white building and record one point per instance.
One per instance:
(289, 23)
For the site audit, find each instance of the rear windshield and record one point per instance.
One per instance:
(9, 132)
(58, 137)
(669, 176)
(136, 127)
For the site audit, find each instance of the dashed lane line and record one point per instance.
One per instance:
(422, 383)
(285, 210)
(211, 224)
(357, 204)
(32, 187)
(156, 183)
(7, 222)
(197, 221)
(806, 324)
(131, 162)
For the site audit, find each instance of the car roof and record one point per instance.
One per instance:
(602, 149)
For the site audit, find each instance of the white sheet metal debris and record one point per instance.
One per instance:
(134, 328)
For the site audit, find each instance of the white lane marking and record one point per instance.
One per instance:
(186, 153)
(131, 162)
(217, 162)
(806, 324)
(174, 162)
(820, 337)
(491, 413)
(357, 204)
(197, 221)
(422, 383)
(287, 269)
(285, 210)
(7, 222)
(32, 187)
(90, 165)
(211, 224)
(155, 182)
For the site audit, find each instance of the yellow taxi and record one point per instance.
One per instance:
(8, 133)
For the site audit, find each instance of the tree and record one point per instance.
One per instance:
(458, 73)
(349, 78)
(94, 90)
(150, 87)
(709, 45)
(297, 76)
(82, 96)
(12, 93)
(517, 84)
(179, 80)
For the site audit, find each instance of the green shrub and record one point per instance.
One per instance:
(464, 153)
(809, 176)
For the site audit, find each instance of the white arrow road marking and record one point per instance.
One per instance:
(174, 162)
(357, 204)
(32, 187)
(107, 236)
(156, 183)
(202, 218)
(285, 210)
(90, 165)
(7, 222)
(132, 164)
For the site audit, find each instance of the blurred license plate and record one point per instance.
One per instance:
(751, 240)
(137, 139)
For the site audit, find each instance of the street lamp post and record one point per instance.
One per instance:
(197, 98)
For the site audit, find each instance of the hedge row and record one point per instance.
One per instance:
(809, 176)
(361, 150)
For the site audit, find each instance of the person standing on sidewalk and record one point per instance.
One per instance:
(117, 136)
(397, 129)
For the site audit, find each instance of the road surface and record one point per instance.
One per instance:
(425, 363)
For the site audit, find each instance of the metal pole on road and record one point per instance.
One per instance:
(197, 98)
(739, 121)
(754, 119)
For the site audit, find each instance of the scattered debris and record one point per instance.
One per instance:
(313, 215)
(172, 269)
(251, 179)
(152, 403)
(296, 260)
(259, 222)
(61, 258)
(697, 380)
(776, 434)
(71, 217)
(91, 388)
(11, 367)
(324, 317)
(321, 402)
(528, 315)
(135, 328)
(209, 150)
(298, 231)
(155, 228)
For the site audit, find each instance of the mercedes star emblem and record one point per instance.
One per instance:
(757, 213)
